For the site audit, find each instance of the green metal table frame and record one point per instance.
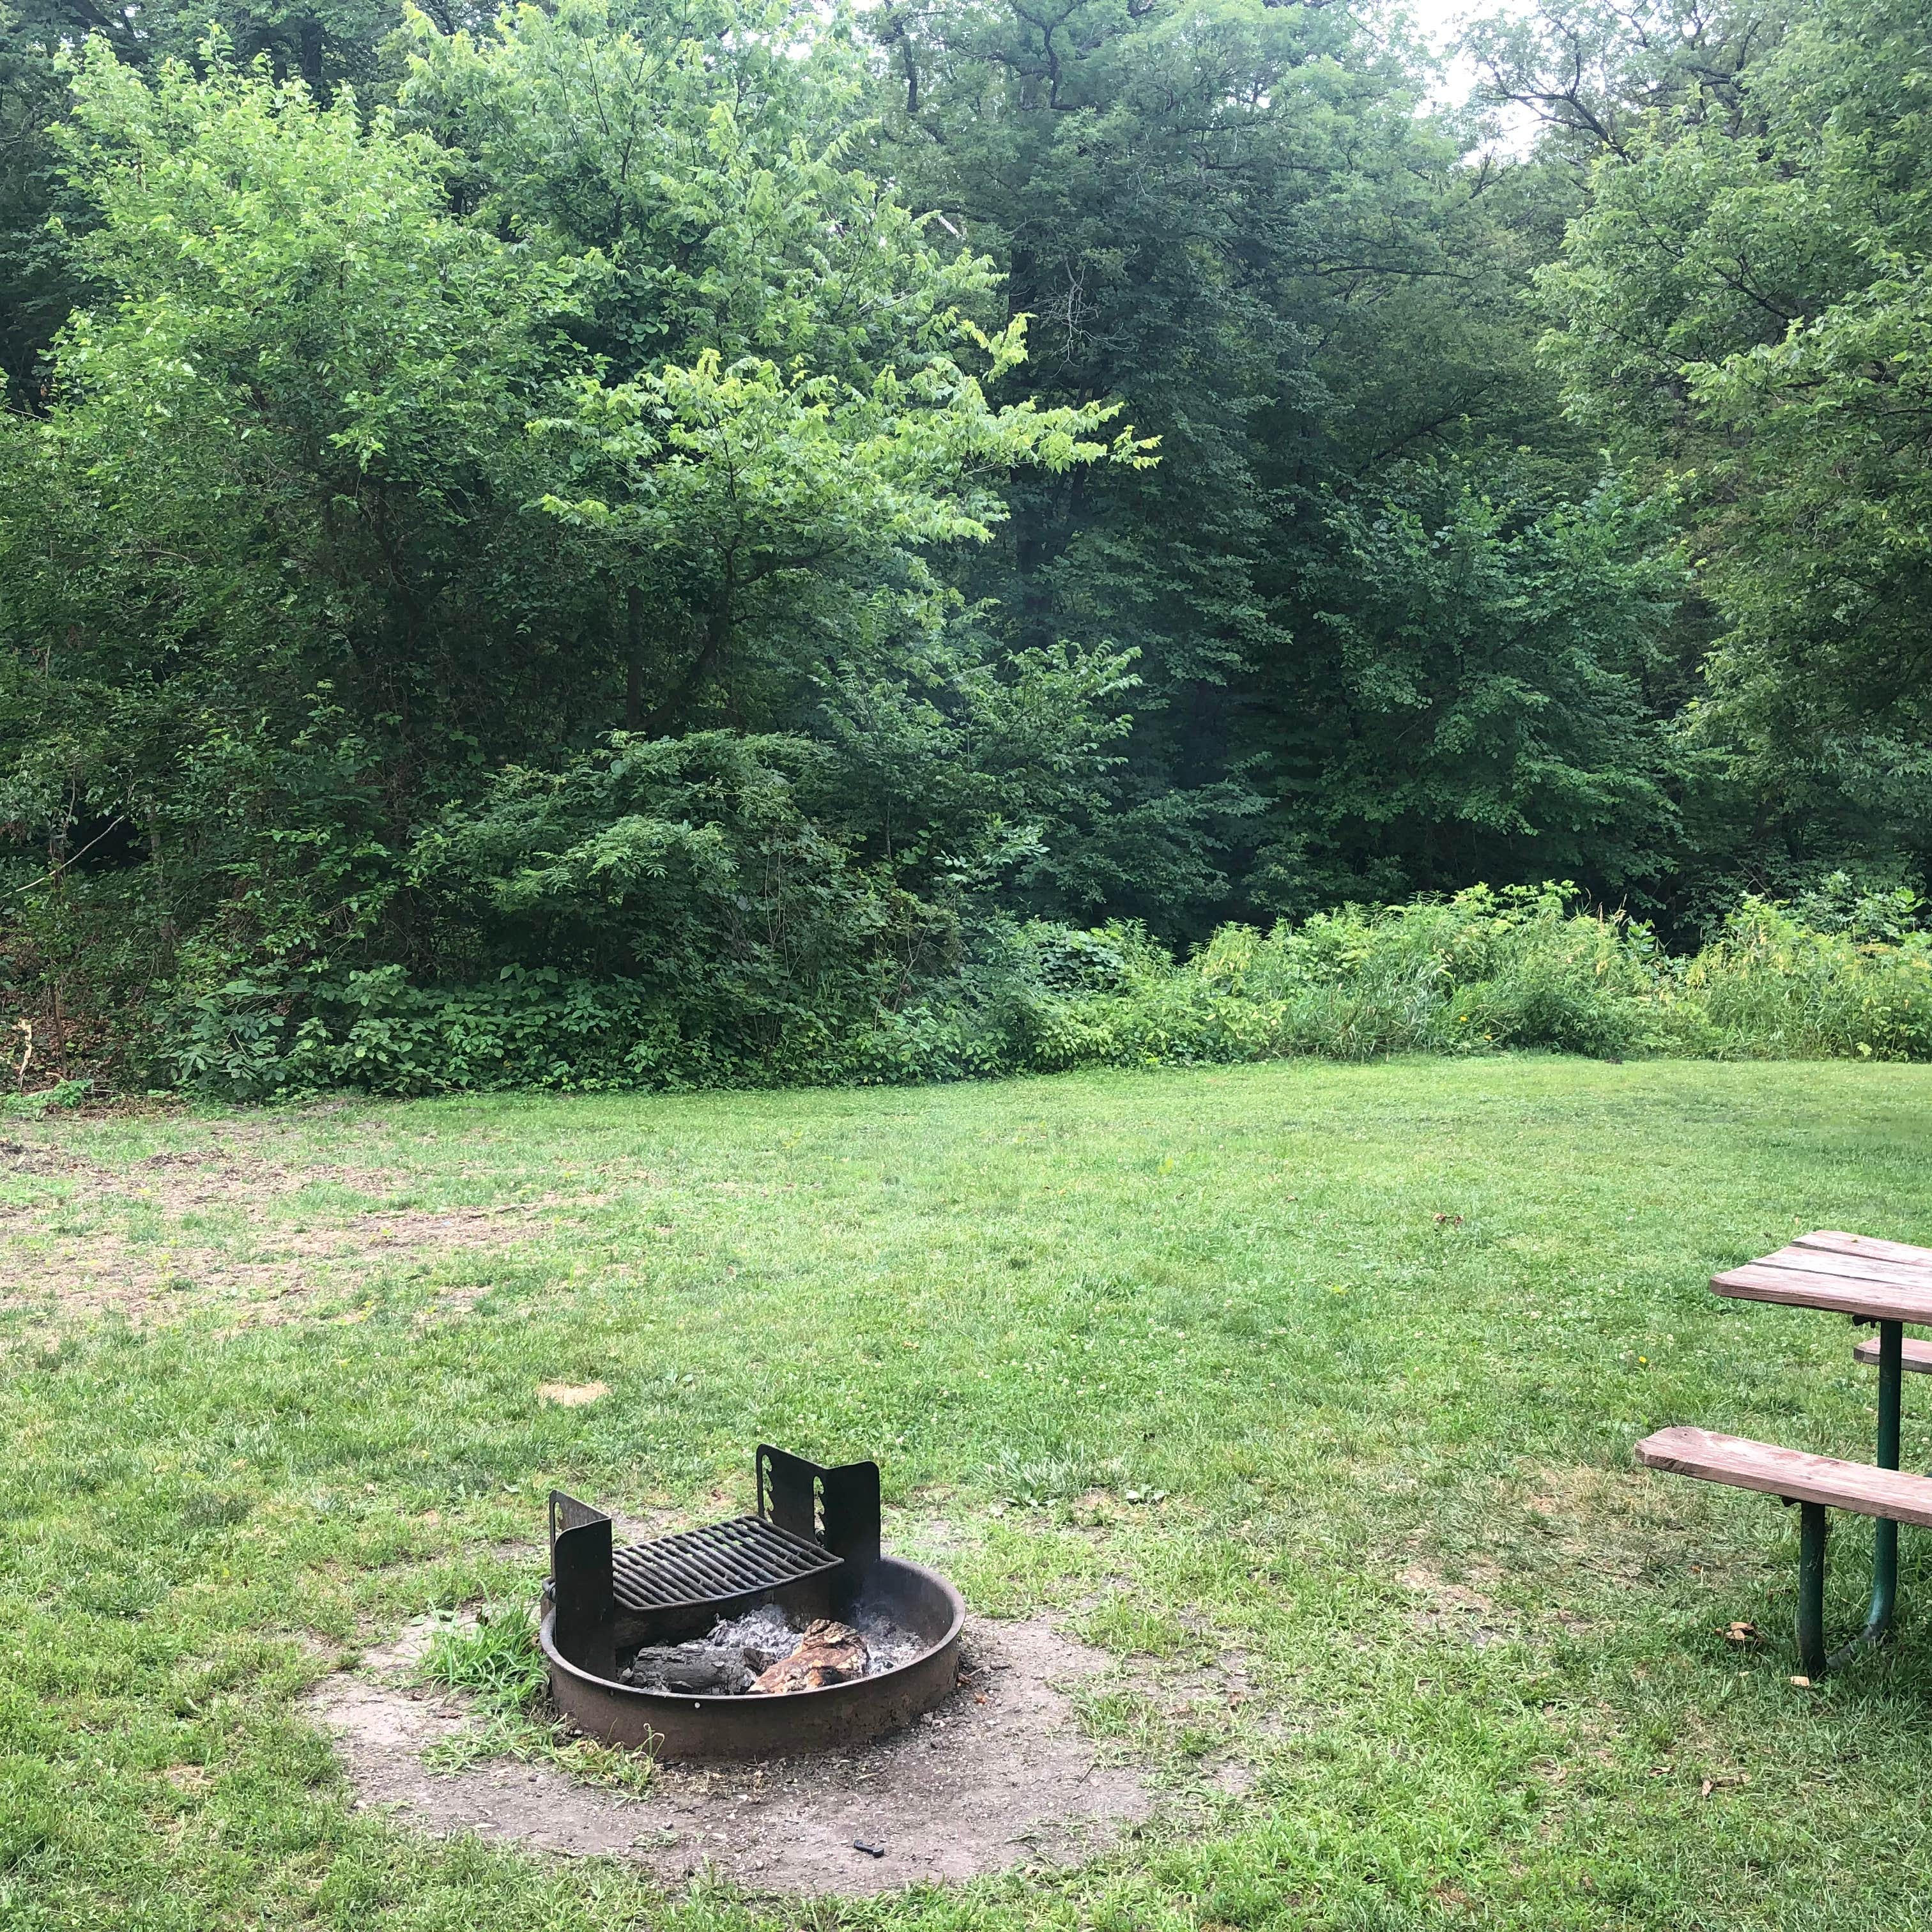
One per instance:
(1812, 1529)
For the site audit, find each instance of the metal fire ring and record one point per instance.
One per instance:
(837, 1716)
(812, 1550)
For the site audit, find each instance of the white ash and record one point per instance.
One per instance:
(768, 1629)
(888, 1645)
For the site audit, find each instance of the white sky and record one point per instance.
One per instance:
(1440, 21)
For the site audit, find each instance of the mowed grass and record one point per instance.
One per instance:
(1379, 1339)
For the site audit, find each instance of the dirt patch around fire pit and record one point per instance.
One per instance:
(999, 1775)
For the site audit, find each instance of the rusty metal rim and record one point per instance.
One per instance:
(684, 1700)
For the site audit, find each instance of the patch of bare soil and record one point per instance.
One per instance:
(997, 1776)
(277, 1265)
(229, 1170)
(278, 1276)
(1455, 1611)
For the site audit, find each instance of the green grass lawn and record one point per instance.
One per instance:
(1383, 1337)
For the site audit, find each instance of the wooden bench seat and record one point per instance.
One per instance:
(1914, 1357)
(1790, 1473)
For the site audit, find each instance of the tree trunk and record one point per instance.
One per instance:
(634, 659)
(308, 56)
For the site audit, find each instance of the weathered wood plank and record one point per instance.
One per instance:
(1831, 1241)
(1849, 1267)
(1745, 1465)
(1914, 1358)
(1876, 1301)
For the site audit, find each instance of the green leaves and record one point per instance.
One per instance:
(1233, 217)
(712, 156)
(1744, 308)
(718, 478)
(760, 385)
(408, 451)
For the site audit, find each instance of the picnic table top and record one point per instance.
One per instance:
(1844, 1274)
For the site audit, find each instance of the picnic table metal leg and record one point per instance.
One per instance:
(1811, 1533)
(1884, 1534)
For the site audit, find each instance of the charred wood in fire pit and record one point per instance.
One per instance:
(696, 1669)
(827, 1653)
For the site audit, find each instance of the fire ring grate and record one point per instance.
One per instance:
(710, 1565)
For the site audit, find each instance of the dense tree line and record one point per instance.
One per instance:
(689, 523)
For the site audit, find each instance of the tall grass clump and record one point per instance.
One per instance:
(1772, 987)
(1485, 970)
(495, 1660)
(495, 1664)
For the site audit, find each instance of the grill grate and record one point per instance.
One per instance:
(816, 1527)
(724, 1559)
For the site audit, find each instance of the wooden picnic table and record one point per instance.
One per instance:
(1885, 1283)
(1844, 1274)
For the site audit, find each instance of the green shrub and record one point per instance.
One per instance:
(1482, 971)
